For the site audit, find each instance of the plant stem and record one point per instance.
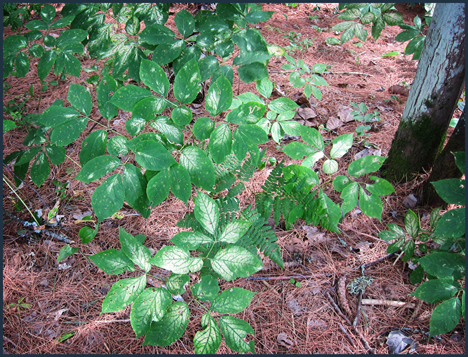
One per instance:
(24, 204)
(105, 126)
(77, 164)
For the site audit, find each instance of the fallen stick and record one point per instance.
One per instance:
(387, 303)
(347, 334)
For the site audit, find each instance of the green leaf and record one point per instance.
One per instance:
(202, 128)
(28, 156)
(199, 167)
(48, 13)
(207, 288)
(180, 183)
(151, 305)
(232, 301)
(333, 212)
(208, 65)
(157, 189)
(190, 240)
(224, 48)
(187, 82)
(246, 113)
(220, 143)
(8, 125)
(234, 262)
(64, 21)
(112, 261)
(417, 275)
(165, 126)
(247, 138)
(381, 187)
(35, 25)
(146, 109)
(128, 96)
(45, 64)
(445, 317)
(123, 293)
(435, 290)
(234, 231)
(341, 144)
(365, 165)
(175, 283)
(463, 306)
(394, 247)
(108, 198)
(184, 22)
(154, 77)
(332, 41)
(87, 234)
(387, 235)
(407, 35)
(297, 150)
(13, 44)
(444, 265)
(206, 212)
(172, 258)
(371, 205)
(65, 252)
(412, 224)
(40, 169)
(92, 146)
(168, 52)
(252, 72)
(156, 34)
(117, 146)
(257, 16)
(312, 137)
(392, 18)
(234, 331)
(182, 116)
(312, 159)
(330, 167)
(208, 340)
(219, 96)
(451, 190)
(69, 37)
(264, 87)
(134, 250)
(253, 48)
(170, 328)
(340, 182)
(408, 248)
(96, 168)
(460, 160)
(350, 197)
(152, 155)
(451, 224)
(103, 90)
(22, 65)
(56, 154)
(282, 105)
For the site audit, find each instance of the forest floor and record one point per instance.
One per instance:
(67, 299)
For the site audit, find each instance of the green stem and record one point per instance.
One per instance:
(24, 204)
(104, 126)
(77, 164)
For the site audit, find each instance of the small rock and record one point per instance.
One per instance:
(152, 251)
(410, 201)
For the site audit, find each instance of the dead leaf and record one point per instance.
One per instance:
(410, 201)
(59, 313)
(345, 115)
(318, 324)
(314, 235)
(343, 85)
(306, 113)
(334, 123)
(301, 100)
(77, 193)
(283, 340)
(396, 89)
(368, 152)
(78, 215)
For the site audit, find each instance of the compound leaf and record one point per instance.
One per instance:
(123, 293)
(208, 340)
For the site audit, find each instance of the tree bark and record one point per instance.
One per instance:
(444, 166)
(437, 86)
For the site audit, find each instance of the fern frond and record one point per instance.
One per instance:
(260, 236)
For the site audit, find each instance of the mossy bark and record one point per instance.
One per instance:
(444, 166)
(433, 97)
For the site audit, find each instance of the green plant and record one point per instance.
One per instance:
(444, 266)
(359, 114)
(19, 305)
(297, 283)
(295, 43)
(312, 78)
(221, 243)
(61, 189)
(164, 150)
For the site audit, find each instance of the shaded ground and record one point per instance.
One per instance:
(69, 300)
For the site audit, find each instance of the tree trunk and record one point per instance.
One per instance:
(437, 86)
(444, 166)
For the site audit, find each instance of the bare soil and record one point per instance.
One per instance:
(286, 318)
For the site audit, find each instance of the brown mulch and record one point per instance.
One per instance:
(67, 298)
